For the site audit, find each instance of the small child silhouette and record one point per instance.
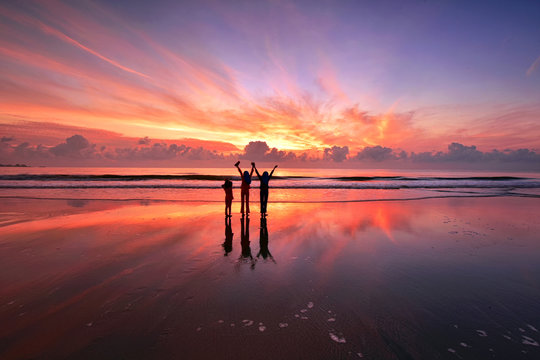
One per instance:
(227, 186)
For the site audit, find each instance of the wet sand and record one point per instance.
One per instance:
(420, 279)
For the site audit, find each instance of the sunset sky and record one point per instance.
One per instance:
(305, 77)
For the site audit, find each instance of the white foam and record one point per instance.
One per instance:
(522, 330)
(532, 328)
(221, 321)
(481, 333)
(360, 355)
(331, 320)
(262, 328)
(90, 324)
(199, 328)
(451, 350)
(304, 317)
(463, 344)
(529, 341)
(508, 337)
(310, 305)
(283, 325)
(336, 338)
(247, 322)
(296, 315)
(303, 310)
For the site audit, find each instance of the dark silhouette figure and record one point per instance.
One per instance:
(246, 181)
(263, 242)
(227, 186)
(264, 180)
(227, 244)
(244, 241)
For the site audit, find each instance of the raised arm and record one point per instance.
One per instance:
(238, 167)
(257, 171)
(273, 171)
(252, 168)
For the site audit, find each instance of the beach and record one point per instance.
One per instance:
(387, 278)
(389, 152)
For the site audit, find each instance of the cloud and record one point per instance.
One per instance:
(535, 65)
(25, 151)
(259, 150)
(354, 114)
(144, 141)
(336, 153)
(520, 155)
(78, 150)
(460, 153)
(75, 146)
(49, 30)
(7, 139)
(162, 151)
(256, 150)
(378, 153)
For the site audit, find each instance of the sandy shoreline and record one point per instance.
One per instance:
(435, 278)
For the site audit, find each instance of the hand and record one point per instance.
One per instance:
(275, 166)
(252, 164)
(237, 163)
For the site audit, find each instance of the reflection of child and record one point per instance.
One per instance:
(227, 186)
(227, 244)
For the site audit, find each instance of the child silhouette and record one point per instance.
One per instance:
(246, 181)
(264, 180)
(227, 186)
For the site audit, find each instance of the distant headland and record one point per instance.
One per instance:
(13, 165)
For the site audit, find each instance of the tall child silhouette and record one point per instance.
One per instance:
(246, 181)
(264, 180)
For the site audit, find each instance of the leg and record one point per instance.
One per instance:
(247, 201)
(242, 196)
(264, 200)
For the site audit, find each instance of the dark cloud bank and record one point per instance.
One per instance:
(79, 151)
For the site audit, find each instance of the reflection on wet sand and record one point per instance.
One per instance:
(390, 280)
(228, 243)
(264, 252)
(245, 243)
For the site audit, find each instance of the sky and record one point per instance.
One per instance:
(335, 81)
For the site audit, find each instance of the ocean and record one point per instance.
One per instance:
(313, 185)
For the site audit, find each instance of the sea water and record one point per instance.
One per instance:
(311, 185)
